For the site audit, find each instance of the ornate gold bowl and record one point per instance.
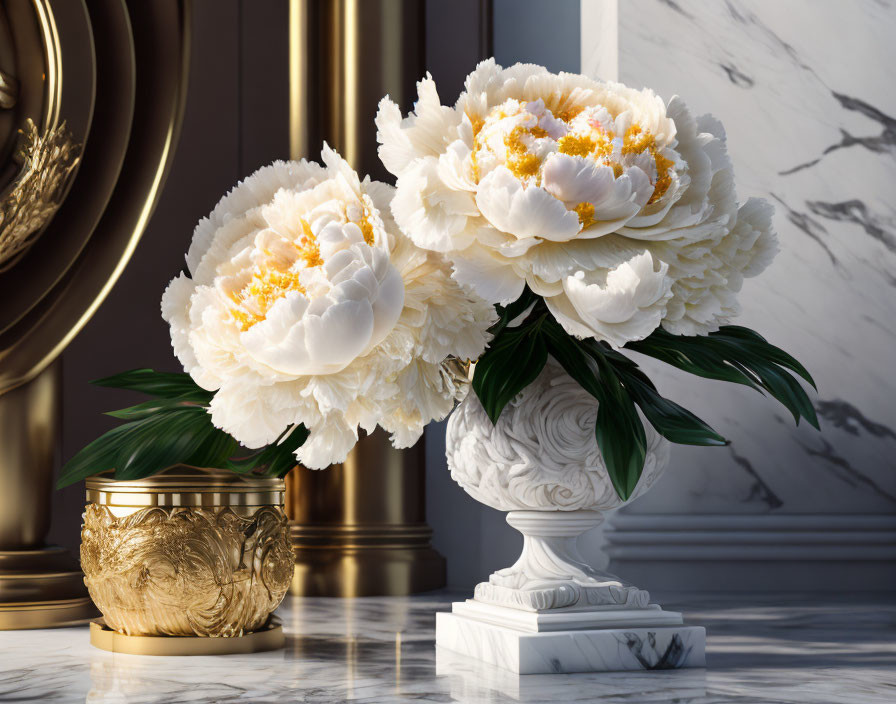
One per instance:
(188, 552)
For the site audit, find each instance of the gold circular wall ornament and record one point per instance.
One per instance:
(66, 274)
(45, 128)
(197, 557)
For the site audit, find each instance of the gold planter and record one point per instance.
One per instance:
(188, 552)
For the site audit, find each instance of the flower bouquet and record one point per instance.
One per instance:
(539, 230)
(598, 220)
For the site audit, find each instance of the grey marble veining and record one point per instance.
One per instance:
(801, 89)
(780, 650)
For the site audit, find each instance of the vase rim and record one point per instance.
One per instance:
(186, 486)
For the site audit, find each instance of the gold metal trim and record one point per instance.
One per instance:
(270, 637)
(186, 487)
(187, 477)
(53, 67)
(46, 614)
(299, 78)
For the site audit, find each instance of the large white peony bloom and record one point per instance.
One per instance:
(616, 208)
(306, 304)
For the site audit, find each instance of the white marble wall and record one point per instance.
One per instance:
(805, 90)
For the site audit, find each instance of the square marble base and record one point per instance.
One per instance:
(598, 647)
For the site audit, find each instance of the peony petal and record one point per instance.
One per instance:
(175, 312)
(238, 410)
(387, 305)
(328, 443)
(489, 278)
(425, 132)
(524, 212)
(629, 307)
(250, 193)
(432, 214)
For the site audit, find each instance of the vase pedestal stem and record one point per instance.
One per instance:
(552, 612)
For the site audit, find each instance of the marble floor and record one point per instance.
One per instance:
(775, 650)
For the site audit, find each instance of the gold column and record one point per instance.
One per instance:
(359, 528)
(40, 585)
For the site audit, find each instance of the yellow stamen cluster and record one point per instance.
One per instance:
(307, 247)
(569, 114)
(595, 143)
(520, 161)
(271, 281)
(366, 226)
(576, 145)
(585, 211)
(636, 141)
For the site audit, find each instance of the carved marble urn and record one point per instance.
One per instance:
(551, 611)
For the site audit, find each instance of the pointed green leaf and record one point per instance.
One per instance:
(97, 457)
(153, 383)
(776, 354)
(673, 422)
(513, 360)
(155, 406)
(618, 429)
(276, 459)
(507, 314)
(162, 441)
(620, 434)
(738, 355)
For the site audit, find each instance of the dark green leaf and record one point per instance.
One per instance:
(618, 430)
(99, 456)
(162, 441)
(153, 383)
(154, 406)
(573, 357)
(689, 356)
(513, 360)
(620, 434)
(276, 459)
(509, 313)
(217, 449)
(173, 429)
(737, 355)
(775, 354)
(673, 422)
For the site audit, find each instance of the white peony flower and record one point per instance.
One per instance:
(618, 209)
(306, 304)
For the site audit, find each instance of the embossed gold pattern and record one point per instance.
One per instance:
(9, 90)
(182, 569)
(49, 162)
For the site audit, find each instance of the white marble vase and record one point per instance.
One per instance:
(551, 611)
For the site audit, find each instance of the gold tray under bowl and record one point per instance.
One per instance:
(270, 637)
